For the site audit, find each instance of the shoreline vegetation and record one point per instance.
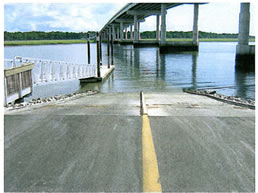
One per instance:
(58, 37)
(81, 41)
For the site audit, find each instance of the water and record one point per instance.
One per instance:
(146, 69)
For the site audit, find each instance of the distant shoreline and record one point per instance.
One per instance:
(42, 42)
(49, 42)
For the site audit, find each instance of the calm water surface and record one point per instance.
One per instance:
(146, 69)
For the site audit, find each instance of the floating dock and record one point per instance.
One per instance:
(104, 73)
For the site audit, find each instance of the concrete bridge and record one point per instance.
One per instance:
(133, 14)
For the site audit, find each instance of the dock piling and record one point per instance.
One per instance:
(112, 51)
(88, 46)
(100, 48)
(108, 48)
(98, 57)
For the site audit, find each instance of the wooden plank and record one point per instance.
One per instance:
(26, 79)
(25, 67)
(12, 84)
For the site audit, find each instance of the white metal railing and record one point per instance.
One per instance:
(50, 70)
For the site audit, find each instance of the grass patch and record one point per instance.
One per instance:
(43, 42)
(222, 40)
(49, 42)
(203, 39)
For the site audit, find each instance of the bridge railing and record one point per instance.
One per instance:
(51, 70)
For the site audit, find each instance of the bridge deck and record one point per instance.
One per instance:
(122, 14)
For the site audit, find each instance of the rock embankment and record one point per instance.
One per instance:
(52, 99)
(228, 99)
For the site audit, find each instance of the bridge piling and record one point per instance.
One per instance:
(139, 33)
(136, 37)
(163, 24)
(126, 32)
(157, 28)
(113, 32)
(117, 33)
(245, 53)
(131, 32)
(195, 25)
(121, 31)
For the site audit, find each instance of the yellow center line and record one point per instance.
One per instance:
(151, 181)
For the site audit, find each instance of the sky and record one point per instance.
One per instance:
(219, 17)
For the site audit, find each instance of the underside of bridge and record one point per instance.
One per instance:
(130, 17)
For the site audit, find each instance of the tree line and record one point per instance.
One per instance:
(189, 34)
(58, 35)
(38, 35)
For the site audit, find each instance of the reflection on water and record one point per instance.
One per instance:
(194, 67)
(243, 86)
(146, 69)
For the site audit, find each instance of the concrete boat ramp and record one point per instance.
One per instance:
(94, 144)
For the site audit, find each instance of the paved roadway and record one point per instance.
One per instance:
(94, 143)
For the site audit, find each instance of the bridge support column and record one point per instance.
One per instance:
(100, 48)
(195, 26)
(131, 32)
(245, 53)
(163, 24)
(139, 33)
(136, 36)
(105, 35)
(157, 28)
(126, 34)
(109, 32)
(113, 32)
(121, 31)
(117, 33)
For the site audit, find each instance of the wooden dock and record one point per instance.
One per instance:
(104, 73)
(17, 82)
